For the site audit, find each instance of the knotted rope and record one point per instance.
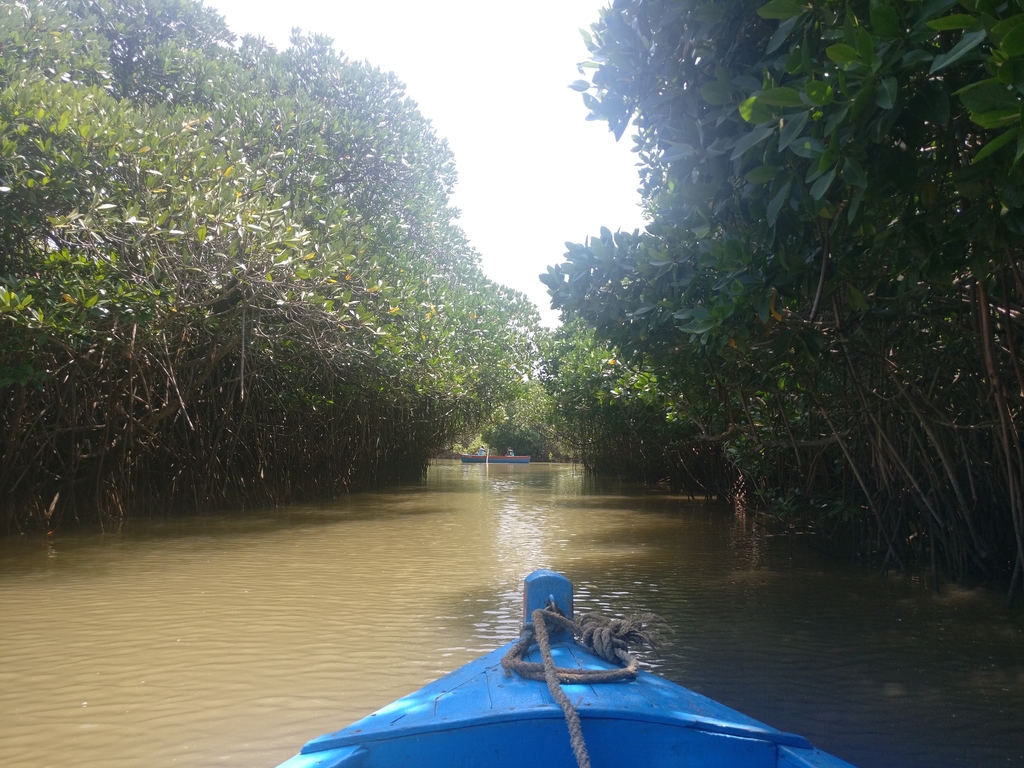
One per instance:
(608, 638)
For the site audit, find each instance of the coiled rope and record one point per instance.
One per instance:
(608, 638)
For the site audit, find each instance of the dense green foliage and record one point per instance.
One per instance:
(228, 275)
(615, 418)
(524, 426)
(831, 285)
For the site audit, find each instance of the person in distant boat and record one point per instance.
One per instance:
(482, 451)
(510, 452)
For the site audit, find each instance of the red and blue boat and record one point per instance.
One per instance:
(493, 458)
(488, 713)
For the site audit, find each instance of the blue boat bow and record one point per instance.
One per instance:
(480, 715)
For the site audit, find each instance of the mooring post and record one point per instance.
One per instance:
(542, 587)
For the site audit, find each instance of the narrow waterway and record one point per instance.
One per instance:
(231, 640)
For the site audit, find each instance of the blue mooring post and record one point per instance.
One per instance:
(542, 586)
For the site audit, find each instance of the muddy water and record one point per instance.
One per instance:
(230, 640)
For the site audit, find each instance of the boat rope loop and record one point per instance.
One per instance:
(608, 638)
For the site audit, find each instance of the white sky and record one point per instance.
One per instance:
(493, 77)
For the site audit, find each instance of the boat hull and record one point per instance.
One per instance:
(470, 458)
(479, 716)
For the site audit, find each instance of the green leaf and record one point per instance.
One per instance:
(854, 173)
(716, 93)
(1013, 42)
(821, 185)
(885, 94)
(988, 95)
(755, 136)
(856, 299)
(818, 92)
(865, 45)
(841, 53)
(954, 21)
(1004, 26)
(968, 43)
(807, 147)
(914, 57)
(755, 112)
(775, 204)
(762, 175)
(795, 61)
(781, 34)
(885, 21)
(580, 85)
(792, 128)
(781, 9)
(851, 212)
(997, 118)
(864, 97)
(837, 117)
(780, 97)
(996, 144)
(701, 326)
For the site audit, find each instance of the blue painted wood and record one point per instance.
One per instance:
(343, 757)
(543, 586)
(478, 715)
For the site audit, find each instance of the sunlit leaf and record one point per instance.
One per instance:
(818, 92)
(754, 111)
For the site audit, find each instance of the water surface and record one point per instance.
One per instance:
(231, 640)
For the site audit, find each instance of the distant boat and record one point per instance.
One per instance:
(492, 458)
(487, 714)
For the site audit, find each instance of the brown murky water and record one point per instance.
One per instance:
(231, 640)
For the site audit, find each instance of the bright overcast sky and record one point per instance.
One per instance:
(493, 77)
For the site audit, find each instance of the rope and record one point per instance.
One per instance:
(607, 638)
(551, 677)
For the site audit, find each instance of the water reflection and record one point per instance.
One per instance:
(233, 639)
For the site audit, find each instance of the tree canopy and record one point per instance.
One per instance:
(831, 281)
(228, 274)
